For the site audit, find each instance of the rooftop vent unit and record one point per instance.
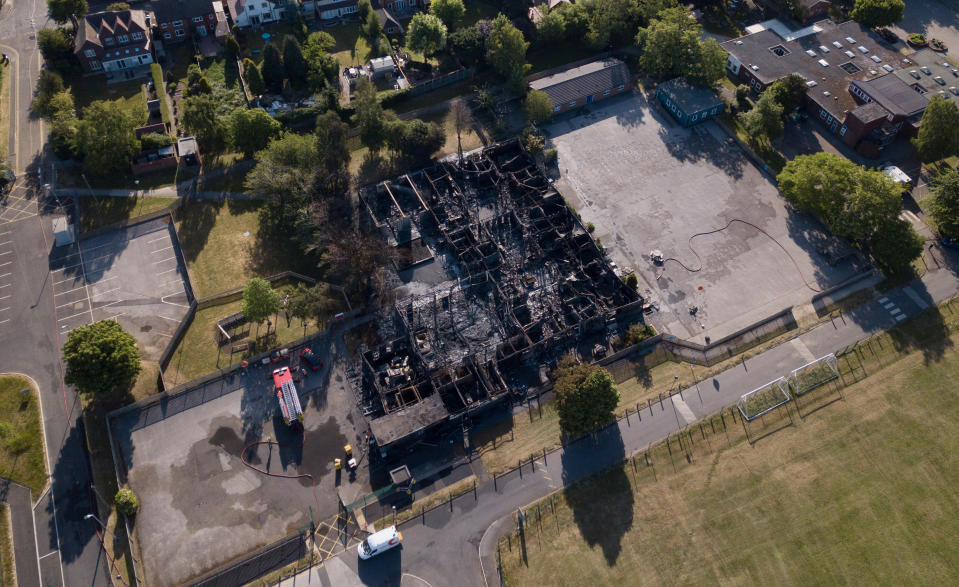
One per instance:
(875, 58)
(873, 72)
(915, 74)
(739, 42)
(862, 49)
(811, 84)
(824, 49)
(851, 40)
(754, 67)
(887, 67)
(906, 60)
(938, 79)
(849, 54)
(824, 63)
(826, 93)
(925, 70)
(837, 44)
(810, 52)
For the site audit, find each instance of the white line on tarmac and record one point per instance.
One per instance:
(900, 317)
(177, 320)
(5, 243)
(169, 271)
(683, 409)
(4, 309)
(4, 297)
(107, 304)
(105, 292)
(117, 316)
(164, 237)
(5, 264)
(73, 316)
(162, 260)
(895, 311)
(7, 253)
(169, 282)
(4, 321)
(4, 232)
(8, 285)
(71, 303)
(60, 293)
(889, 305)
(163, 249)
(51, 553)
(5, 274)
(883, 300)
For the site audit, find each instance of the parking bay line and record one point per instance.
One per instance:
(168, 271)
(5, 264)
(73, 316)
(161, 250)
(164, 260)
(105, 292)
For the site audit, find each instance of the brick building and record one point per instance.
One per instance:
(585, 84)
(117, 43)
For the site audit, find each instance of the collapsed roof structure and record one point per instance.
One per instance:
(499, 278)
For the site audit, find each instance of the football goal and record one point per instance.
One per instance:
(763, 399)
(812, 375)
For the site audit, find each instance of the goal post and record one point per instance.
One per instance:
(813, 374)
(763, 399)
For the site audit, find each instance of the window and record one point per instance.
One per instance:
(108, 40)
(177, 23)
(90, 53)
(572, 103)
(163, 26)
(779, 51)
(179, 32)
(123, 39)
(197, 19)
(621, 87)
(694, 117)
(828, 120)
(556, 109)
(137, 36)
(211, 16)
(96, 66)
(822, 114)
(606, 92)
(167, 35)
(842, 131)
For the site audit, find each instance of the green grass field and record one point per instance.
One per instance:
(21, 435)
(105, 210)
(861, 490)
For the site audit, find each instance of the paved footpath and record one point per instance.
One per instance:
(17, 497)
(441, 547)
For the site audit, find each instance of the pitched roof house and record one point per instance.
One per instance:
(118, 41)
(584, 84)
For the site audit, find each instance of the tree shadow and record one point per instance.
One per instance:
(603, 505)
(699, 145)
(833, 260)
(196, 221)
(68, 531)
(928, 332)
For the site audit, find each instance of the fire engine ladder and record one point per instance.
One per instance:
(291, 401)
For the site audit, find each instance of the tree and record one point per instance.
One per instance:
(938, 137)
(253, 78)
(321, 67)
(370, 120)
(469, 44)
(448, 11)
(48, 85)
(272, 68)
(284, 169)
(765, 121)
(945, 204)
(539, 107)
(426, 34)
(200, 116)
(126, 502)
(895, 246)
(506, 52)
(259, 300)
(461, 120)
(56, 46)
(585, 397)
(789, 92)
(414, 141)
(878, 13)
(293, 62)
(101, 358)
(672, 46)
(551, 29)
(742, 98)
(373, 31)
(252, 129)
(232, 48)
(155, 140)
(308, 303)
(63, 138)
(364, 9)
(333, 154)
(64, 11)
(117, 7)
(106, 138)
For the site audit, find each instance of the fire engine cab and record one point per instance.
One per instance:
(286, 395)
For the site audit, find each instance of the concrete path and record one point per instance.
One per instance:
(17, 497)
(441, 547)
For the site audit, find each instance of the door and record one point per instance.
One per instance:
(589, 99)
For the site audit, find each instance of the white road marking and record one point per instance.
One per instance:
(60, 293)
(5, 264)
(900, 317)
(883, 300)
(106, 292)
(161, 250)
(4, 297)
(177, 320)
(5, 274)
(169, 282)
(680, 404)
(5, 243)
(70, 303)
(169, 271)
(8, 285)
(4, 321)
(164, 260)
(895, 311)
(73, 316)
(4, 309)
(7, 253)
(164, 237)
(889, 305)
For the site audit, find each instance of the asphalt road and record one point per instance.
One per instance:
(442, 547)
(69, 551)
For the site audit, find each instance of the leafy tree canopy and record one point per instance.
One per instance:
(294, 63)
(260, 300)
(765, 121)
(539, 108)
(56, 46)
(253, 78)
(945, 204)
(272, 68)
(878, 13)
(101, 358)
(426, 34)
(672, 46)
(106, 137)
(321, 67)
(252, 129)
(64, 11)
(506, 51)
(200, 116)
(448, 11)
(938, 136)
(585, 397)
(789, 92)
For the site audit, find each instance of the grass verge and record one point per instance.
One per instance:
(768, 153)
(21, 434)
(6, 546)
(860, 490)
(429, 502)
(103, 211)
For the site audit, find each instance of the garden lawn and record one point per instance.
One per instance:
(89, 89)
(21, 435)
(864, 491)
(351, 47)
(104, 210)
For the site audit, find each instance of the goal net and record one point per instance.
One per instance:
(763, 399)
(812, 375)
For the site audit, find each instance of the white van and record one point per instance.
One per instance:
(379, 542)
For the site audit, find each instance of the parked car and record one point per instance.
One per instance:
(949, 242)
(279, 355)
(379, 542)
(309, 358)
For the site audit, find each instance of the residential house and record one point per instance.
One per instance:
(335, 9)
(846, 67)
(179, 20)
(117, 43)
(246, 13)
(688, 103)
(585, 84)
(812, 10)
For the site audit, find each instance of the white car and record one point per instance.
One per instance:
(379, 542)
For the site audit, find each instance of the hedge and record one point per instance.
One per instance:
(160, 89)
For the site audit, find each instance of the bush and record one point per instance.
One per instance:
(742, 98)
(126, 502)
(550, 156)
(155, 140)
(631, 281)
(636, 334)
(590, 227)
(917, 39)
